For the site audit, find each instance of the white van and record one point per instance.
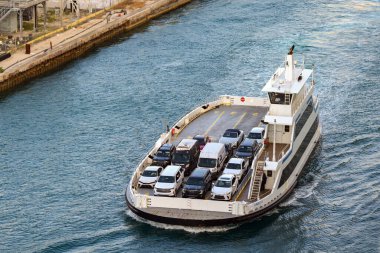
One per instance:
(213, 156)
(169, 181)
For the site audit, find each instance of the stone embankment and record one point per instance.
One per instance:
(50, 53)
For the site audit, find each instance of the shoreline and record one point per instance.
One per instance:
(77, 42)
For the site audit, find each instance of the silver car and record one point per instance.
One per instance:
(233, 137)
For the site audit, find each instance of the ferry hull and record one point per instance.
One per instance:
(208, 223)
(226, 221)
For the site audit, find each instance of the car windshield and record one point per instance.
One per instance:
(230, 134)
(245, 149)
(163, 153)
(181, 158)
(222, 183)
(194, 181)
(207, 162)
(254, 136)
(233, 166)
(166, 179)
(149, 173)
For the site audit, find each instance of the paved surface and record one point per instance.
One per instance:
(19, 57)
(216, 121)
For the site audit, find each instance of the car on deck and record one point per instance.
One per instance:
(164, 154)
(247, 150)
(233, 137)
(202, 140)
(150, 176)
(237, 167)
(169, 181)
(225, 187)
(257, 134)
(198, 184)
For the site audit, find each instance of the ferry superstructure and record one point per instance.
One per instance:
(290, 117)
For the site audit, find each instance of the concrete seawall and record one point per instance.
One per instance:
(48, 60)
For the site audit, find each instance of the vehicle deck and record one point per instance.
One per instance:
(214, 123)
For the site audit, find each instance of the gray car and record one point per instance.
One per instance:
(233, 137)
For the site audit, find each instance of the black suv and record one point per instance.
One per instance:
(247, 150)
(164, 155)
(198, 183)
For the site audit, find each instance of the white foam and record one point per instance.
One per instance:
(302, 192)
(194, 230)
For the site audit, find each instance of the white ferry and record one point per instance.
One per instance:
(291, 128)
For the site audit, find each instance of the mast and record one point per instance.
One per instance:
(289, 66)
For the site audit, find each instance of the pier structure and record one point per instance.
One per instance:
(58, 48)
(11, 14)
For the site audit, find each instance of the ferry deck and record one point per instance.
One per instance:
(214, 123)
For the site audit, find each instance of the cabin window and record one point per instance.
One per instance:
(279, 98)
(287, 129)
(269, 173)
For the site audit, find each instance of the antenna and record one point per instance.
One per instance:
(291, 50)
(303, 61)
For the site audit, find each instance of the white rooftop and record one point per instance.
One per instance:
(279, 84)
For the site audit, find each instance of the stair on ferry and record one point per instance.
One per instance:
(257, 179)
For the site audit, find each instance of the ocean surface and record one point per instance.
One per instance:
(69, 141)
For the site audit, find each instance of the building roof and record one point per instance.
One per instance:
(278, 84)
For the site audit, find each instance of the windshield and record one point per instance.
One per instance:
(245, 149)
(181, 158)
(163, 153)
(195, 181)
(149, 173)
(207, 162)
(230, 134)
(223, 184)
(233, 166)
(166, 179)
(254, 136)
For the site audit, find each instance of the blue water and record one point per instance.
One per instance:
(69, 141)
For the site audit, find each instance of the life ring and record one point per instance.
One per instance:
(173, 131)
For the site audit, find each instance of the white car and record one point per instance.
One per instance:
(150, 176)
(237, 167)
(169, 181)
(257, 134)
(225, 187)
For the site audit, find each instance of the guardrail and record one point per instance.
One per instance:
(234, 208)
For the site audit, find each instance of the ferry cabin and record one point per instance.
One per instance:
(292, 121)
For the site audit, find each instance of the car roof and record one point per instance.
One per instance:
(248, 142)
(257, 130)
(152, 168)
(170, 170)
(199, 172)
(199, 137)
(166, 146)
(186, 144)
(226, 177)
(233, 130)
(236, 160)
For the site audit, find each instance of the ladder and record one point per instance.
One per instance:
(287, 98)
(257, 179)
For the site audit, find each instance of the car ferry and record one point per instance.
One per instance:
(290, 128)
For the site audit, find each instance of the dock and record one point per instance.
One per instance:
(75, 40)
